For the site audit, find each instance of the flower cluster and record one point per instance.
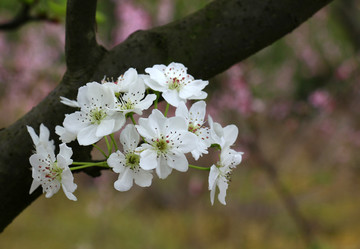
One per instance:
(157, 144)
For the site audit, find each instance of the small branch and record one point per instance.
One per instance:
(23, 17)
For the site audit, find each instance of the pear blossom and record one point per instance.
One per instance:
(97, 117)
(175, 83)
(195, 122)
(220, 173)
(125, 82)
(51, 172)
(223, 136)
(41, 142)
(133, 100)
(69, 102)
(167, 139)
(64, 134)
(127, 164)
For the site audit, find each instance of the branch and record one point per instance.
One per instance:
(212, 39)
(81, 49)
(23, 17)
(208, 42)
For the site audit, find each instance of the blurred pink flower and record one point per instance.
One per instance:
(235, 94)
(322, 100)
(130, 18)
(165, 12)
(346, 69)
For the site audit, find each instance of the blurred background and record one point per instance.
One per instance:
(297, 107)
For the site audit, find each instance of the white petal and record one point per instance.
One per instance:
(148, 159)
(129, 137)
(147, 102)
(187, 142)
(163, 170)
(33, 135)
(76, 121)
(213, 175)
(117, 161)
(66, 152)
(34, 185)
(158, 79)
(44, 134)
(65, 135)
(178, 161)
(68, 194)
(193, 90)
(198, 111)
(172, 97)
(128, 80)
(125, 180)
(230, 158)
(223, 185)
(230, 135)
(88, 136)
(182, 111)
(177, 124)
(119, 121)
(68, 102)
(105, 127)
(143, 178)
(157, 121)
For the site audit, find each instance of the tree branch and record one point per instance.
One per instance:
(208, 42)
(212, 39)
(81, 48)
(24, 17)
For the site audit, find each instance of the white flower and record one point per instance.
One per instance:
(167, 141)
(195, 120)
(51, 172)
(174, 83)
(127, 164)
(96, 118)
(41, 142)
(68, 102)
(220, 173)
(65, 135)
(125, 82)
(225, 137)
(133, 100)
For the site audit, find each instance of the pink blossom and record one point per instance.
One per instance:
(130, 18)
(237, 95)
(322, 100)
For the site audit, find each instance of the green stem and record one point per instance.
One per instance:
(113, 141)
(166, 109)
(99, 149)
(132, 118)
(156, 100)
(200, 168)
(88, 165)
(108, 145)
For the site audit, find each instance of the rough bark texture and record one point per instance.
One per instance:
(207, 42)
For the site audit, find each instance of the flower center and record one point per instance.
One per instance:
(175, 84)
(161, 145)
(132, 160)
(54, 172)
(97, 115)
(193, 127)
(123, 103)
